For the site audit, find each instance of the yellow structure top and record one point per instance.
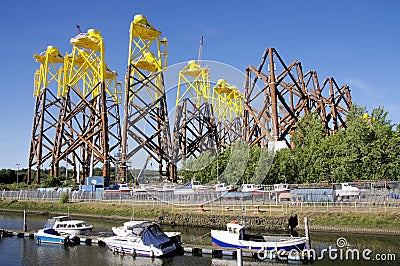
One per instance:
(193, 69)
(91, 40)
(227, 100)
(142, 53)
(223, 87)
(194, 81)
(52, 53)
(143, 29)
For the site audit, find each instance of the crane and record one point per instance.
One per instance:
(140, 177)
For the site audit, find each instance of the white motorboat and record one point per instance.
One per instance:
(249, 187)
(64, 225)
(221, 187)
(235, 237)
(190, 188)
(127, 227)
(143, 239)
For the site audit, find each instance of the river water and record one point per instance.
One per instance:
(26, 251)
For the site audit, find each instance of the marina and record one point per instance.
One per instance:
(197, 245)
(187, 249)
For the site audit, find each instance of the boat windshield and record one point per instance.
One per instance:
(139, 229)
(50, 223)
(156, 230)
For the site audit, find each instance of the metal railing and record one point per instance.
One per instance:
(215, 201)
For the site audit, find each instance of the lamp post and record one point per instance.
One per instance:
(18, 164)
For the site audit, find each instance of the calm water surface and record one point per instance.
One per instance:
(26, 251)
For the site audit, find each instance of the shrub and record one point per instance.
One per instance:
(64, 197)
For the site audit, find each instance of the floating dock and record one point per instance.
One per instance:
(193, 249)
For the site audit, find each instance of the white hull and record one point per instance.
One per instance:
(227, 239)
(134, 246)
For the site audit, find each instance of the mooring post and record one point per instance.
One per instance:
(239, 257)
(25, 228)
(307, 232)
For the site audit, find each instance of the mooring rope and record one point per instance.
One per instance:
(197, 238)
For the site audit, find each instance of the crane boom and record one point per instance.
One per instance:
(200, 49)
(140, 176)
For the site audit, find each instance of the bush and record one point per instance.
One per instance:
(64, 197)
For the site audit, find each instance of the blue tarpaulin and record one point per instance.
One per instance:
(153, 235)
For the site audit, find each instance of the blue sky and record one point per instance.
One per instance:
(357, 42)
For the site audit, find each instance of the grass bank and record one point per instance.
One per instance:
(83, 209)
(351, 221)
(382, 220)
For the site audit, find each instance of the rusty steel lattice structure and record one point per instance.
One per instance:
(146, 124)
(195, 127)
(228, 108)
(276, 99)
(195, 130)
(87, 128)
(48, 104)
(76, 116)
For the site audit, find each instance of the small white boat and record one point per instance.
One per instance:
(168, 187)
(127, 227)
(235, 237)
(221, 187)
(145, 239)
(281, 188)
(249, 187)
(64, 225)
(49, 235)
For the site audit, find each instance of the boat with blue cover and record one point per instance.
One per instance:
(145, 239)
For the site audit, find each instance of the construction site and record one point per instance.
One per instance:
(85, 118)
